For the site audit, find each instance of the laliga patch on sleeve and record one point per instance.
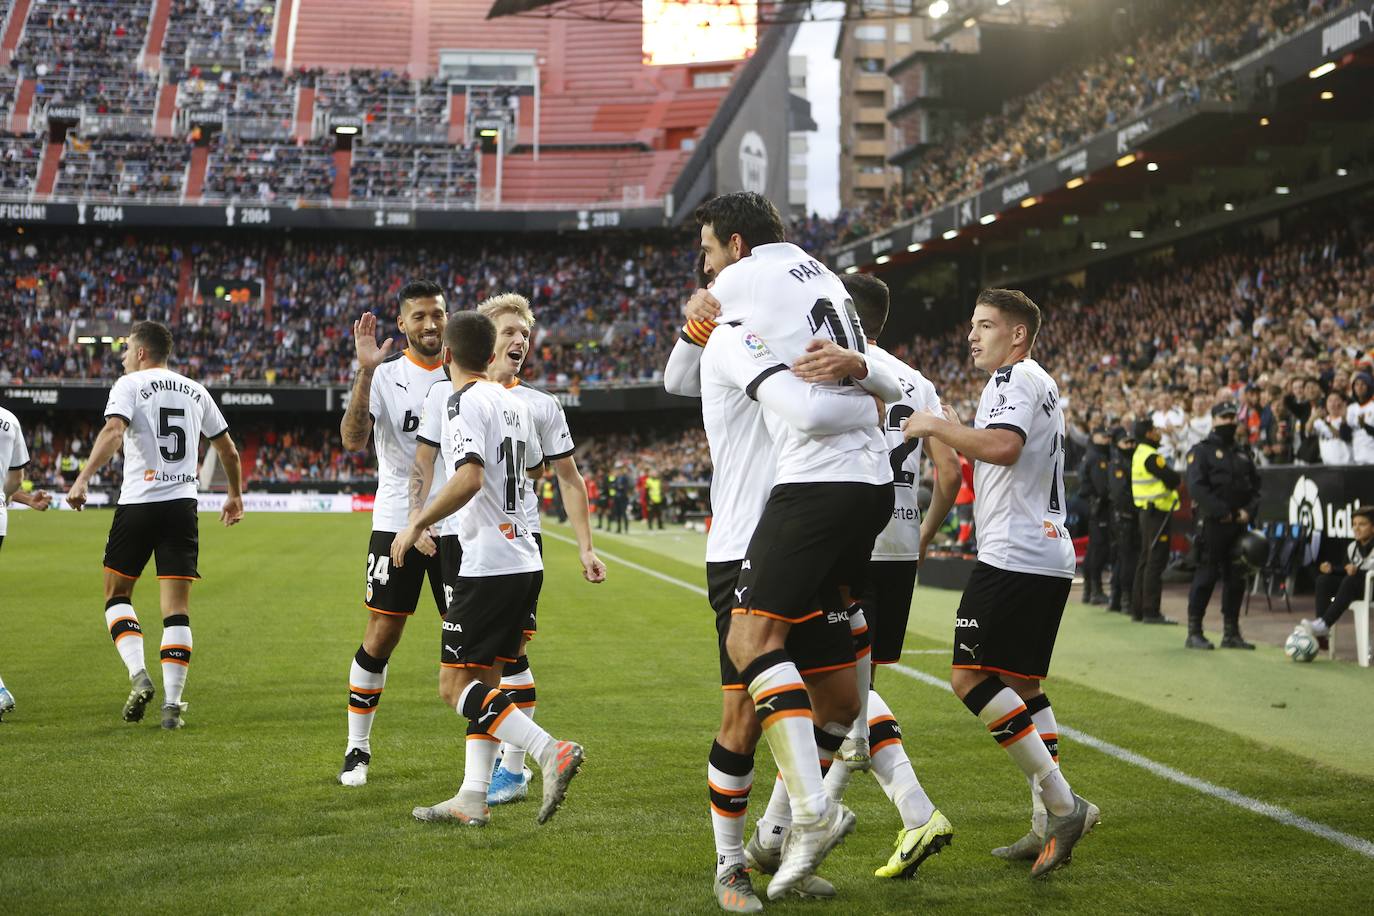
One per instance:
(755, 345)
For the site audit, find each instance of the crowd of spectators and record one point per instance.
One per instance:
(86, 54)
(1280, 328)
(19, 157)
(219, 30)
(261, 95)
(391, 104)
(608, 308)
(124, 167)
(300, 453)
(1180, 58)
(423, 174)
(269, 172)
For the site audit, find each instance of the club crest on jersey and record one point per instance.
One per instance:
(755, 345)
(508, 531)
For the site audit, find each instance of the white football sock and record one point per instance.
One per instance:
(176, 657)
(892, 767)
(366, 679)
(126, 632)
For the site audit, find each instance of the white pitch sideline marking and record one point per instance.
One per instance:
(1273, 812)
(632, 565)
(1230, 796)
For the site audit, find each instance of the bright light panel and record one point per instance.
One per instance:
(698, 31)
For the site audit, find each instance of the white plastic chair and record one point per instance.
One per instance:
(1359, 611)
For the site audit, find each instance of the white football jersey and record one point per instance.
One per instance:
(743, 451)
(1357, 416)
(551, 429)
(786, 299)
(901, 539)
(167, 413)
(1019, 510)
(396, 403)
(484, 423)
(1334, 449)
(431, 432)
(14, 454)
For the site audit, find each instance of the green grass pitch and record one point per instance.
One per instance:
(240, 811)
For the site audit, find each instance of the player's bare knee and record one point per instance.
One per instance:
(739, 726)
(962, 680)
(383, 633)
(1024, 687)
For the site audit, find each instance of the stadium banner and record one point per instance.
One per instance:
(21, 398)
(288, 502)
(1327, 40)
(1322, 498)
(1093, 155)
(248, 216)
(323, 399)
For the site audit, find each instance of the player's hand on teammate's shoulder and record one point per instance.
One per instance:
(232, 512)
(827, 361)
(76, 496)
(951, 414)
(370, 356)
(702, 306)
(593, 570)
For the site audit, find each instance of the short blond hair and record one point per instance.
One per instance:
(507, 304)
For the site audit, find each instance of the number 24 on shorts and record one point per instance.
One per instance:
(378, 570)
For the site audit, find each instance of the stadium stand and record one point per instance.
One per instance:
(125, 168)
(19, 158)
(219, 31)
(1179, 61)
(422, 175)
(85, 54)
(394, 107)
(609, 311)
(243, 169)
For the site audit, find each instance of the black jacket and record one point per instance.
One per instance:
(1222, 478)
(1094, 480)
(1119, 481)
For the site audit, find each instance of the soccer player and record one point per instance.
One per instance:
(721, 364)
(511, 314)
(159, 416)
(489, 442)
(831, 497)
(886, 597)
(15, 455)
(386, 403)
(1007, 621)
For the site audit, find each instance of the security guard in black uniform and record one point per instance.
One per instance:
(1093, 478)
(1125, 524)
(1224, 484)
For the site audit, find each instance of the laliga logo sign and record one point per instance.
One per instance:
(1305, 508)
(753, 163)
(1305, 505)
